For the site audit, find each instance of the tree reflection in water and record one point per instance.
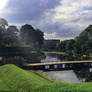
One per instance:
(84, 75)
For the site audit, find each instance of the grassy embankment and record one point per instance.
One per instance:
(17, 80)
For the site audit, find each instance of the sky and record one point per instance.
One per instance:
(58, 19)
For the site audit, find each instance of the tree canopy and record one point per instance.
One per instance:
(29, 35)
(3, 23)
(80, 46)
(12, 36)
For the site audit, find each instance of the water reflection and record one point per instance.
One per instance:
(50, 58)
(81, 75)
(85, 75)
(63, 75)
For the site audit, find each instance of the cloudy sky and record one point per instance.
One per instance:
(62, 19)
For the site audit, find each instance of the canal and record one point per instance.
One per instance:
(79, 75)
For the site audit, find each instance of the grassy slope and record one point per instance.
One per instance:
(3, 86)
(16, 79)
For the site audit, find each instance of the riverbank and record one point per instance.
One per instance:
(58, 53)
(63, 56)
(15, 79)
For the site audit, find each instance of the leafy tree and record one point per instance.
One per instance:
(1, 36)
(32, 36)
(62, 46)
(81, 45)
(27, 34)
(82, 41)
(70, 46)
(11, 35)
(88, 47)
(3, 23)
(39, 36)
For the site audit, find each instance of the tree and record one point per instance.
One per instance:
(87, 47)
(82, 40)
(11, 35)
(3, 23)
(32, 36)
(1, 36)
(70, 46)
(39, 36)
(62, 46)
(27, 34)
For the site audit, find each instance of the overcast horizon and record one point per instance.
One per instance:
(58, 19)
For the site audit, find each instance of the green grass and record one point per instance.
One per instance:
(0, 58)
(14, 79)
(3, 86)
(17, 78)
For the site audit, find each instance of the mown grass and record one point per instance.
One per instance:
(18, 79)
(14, 79)
(4, 87)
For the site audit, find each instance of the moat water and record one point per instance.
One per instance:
(81, 75)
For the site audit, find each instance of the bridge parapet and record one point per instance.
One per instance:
(59, 65)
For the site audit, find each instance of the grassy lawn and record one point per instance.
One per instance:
(14, 79)
(4, 87)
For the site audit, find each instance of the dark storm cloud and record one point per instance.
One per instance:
(27, 10)
(60, 18)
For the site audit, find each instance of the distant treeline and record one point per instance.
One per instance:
(81, 46)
